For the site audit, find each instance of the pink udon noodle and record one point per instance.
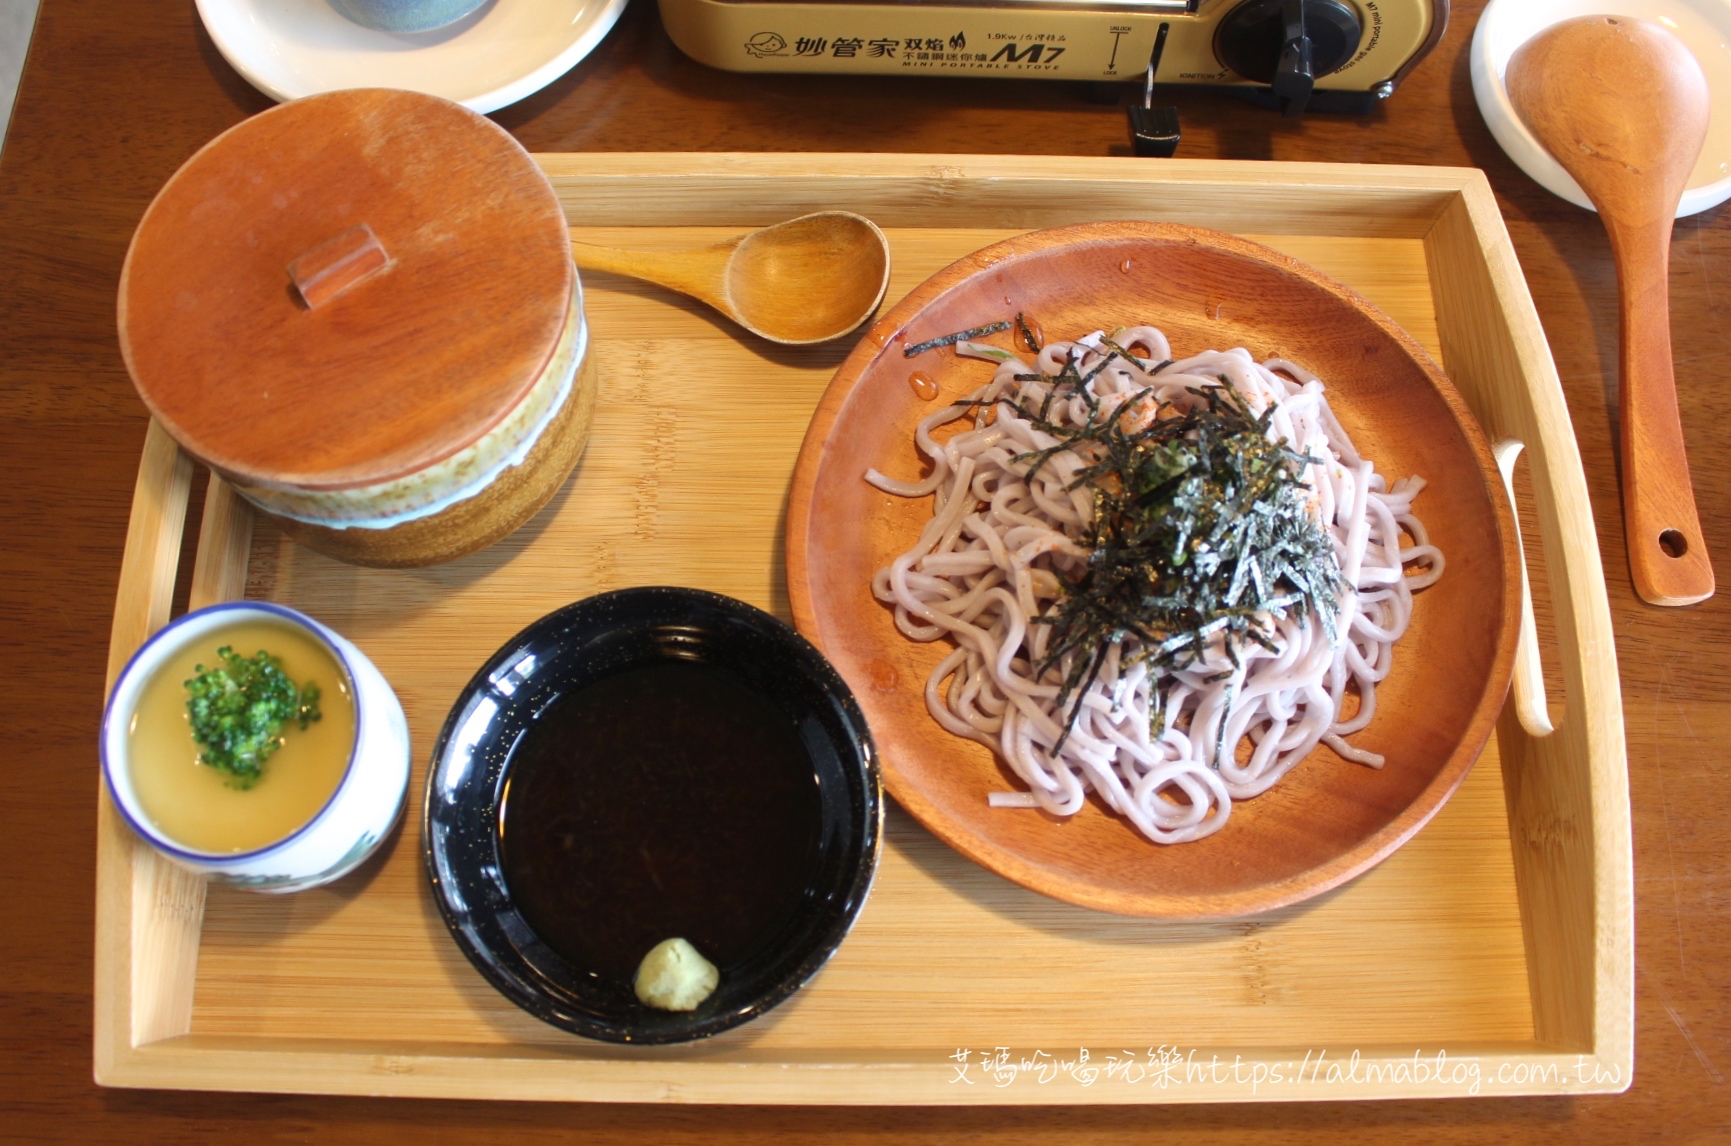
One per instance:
(992, 556)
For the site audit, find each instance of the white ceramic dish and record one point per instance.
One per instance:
(358, 815)
(1704, 25)
(495, 56)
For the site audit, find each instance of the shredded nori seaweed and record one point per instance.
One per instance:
(1200, 525)
(958, 336)
(1026, 334)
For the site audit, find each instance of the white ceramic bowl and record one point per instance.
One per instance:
(492, 57)
(1704, 25)
(358, 815)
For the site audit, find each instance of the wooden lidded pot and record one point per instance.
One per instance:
(360, 309)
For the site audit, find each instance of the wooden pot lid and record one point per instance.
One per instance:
(345, 289)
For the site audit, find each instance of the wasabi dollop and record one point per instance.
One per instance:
(674, 977)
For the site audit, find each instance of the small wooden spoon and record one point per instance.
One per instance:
(807, 280)
(1622, 105)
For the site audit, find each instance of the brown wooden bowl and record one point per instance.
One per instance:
(1327, 820)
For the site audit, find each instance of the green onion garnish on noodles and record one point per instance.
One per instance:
(983, 350)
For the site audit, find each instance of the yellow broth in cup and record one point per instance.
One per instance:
(201, 807)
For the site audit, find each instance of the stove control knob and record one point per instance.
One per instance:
(1257, 36)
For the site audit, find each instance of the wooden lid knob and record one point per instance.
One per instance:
(337, 264)
(345, 289)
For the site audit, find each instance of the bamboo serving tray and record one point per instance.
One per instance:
(1490, 955)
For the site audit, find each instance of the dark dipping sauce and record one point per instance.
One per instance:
(662, 801)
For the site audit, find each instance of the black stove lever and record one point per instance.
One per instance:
(1154, 131)
(1294, 78)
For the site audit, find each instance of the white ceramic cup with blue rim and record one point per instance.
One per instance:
(358, 815)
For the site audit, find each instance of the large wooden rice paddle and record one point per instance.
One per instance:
(1622, 105)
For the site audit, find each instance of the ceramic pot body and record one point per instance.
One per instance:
(467, 501)
(360, 309)
(359, 814)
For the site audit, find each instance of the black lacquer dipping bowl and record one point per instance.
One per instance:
(548, 812)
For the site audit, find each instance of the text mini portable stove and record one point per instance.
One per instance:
(1327, 55)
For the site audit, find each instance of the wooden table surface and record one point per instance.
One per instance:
(116, 95)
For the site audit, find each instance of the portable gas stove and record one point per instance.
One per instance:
(1324, 55)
